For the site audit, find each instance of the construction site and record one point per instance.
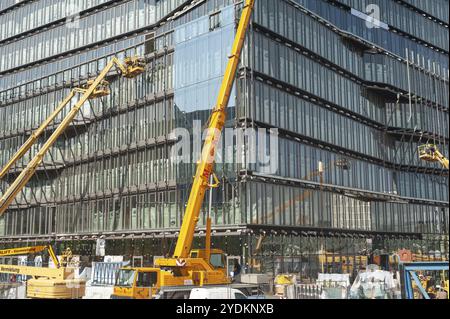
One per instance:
(224, 149)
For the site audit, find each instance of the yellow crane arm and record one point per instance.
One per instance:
(31, 250)
(51, 273)
(36, 134)
(442, 159)
(216, 124)
(130, 68)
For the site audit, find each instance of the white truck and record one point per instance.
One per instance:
(216, 293)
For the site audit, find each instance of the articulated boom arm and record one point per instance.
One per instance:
(216, 124)
(443, 160)
(130, 68)
(31, 250)
(35, 135)
(37, 272)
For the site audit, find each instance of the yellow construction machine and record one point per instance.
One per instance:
(56, 282)
(189, 267)
(430, 285)
(46, 283)
(92, 89)
(431, 153)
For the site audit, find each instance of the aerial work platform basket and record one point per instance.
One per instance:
(431, 153)
(427, 152)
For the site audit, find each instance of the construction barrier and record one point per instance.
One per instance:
(308, 291)
(104, 274)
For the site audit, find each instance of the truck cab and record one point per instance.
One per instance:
(136, 283)
(145, 283)
(217, 257)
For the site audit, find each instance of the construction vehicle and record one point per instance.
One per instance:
(427, 283)
(46, 283)
(416, 282)
(420, 284)
(189, 267)
(431, 153)
(431, 282)
(92, 89)
(56, 282)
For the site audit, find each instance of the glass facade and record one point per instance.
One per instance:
(350, 104)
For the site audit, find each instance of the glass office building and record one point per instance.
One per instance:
(349, 88)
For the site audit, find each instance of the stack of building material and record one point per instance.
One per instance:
(285, 286)
(334, 286)
(308, 291)
(256, 279)
(15, 290)
(374, 284)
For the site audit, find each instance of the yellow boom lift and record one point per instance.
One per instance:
(431, 153)
(56, 282)
(49, 283)
(93, 89)
(193, 267)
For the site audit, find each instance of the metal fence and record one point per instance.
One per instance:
(12, 291)
(104, 274)
(308, 291)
